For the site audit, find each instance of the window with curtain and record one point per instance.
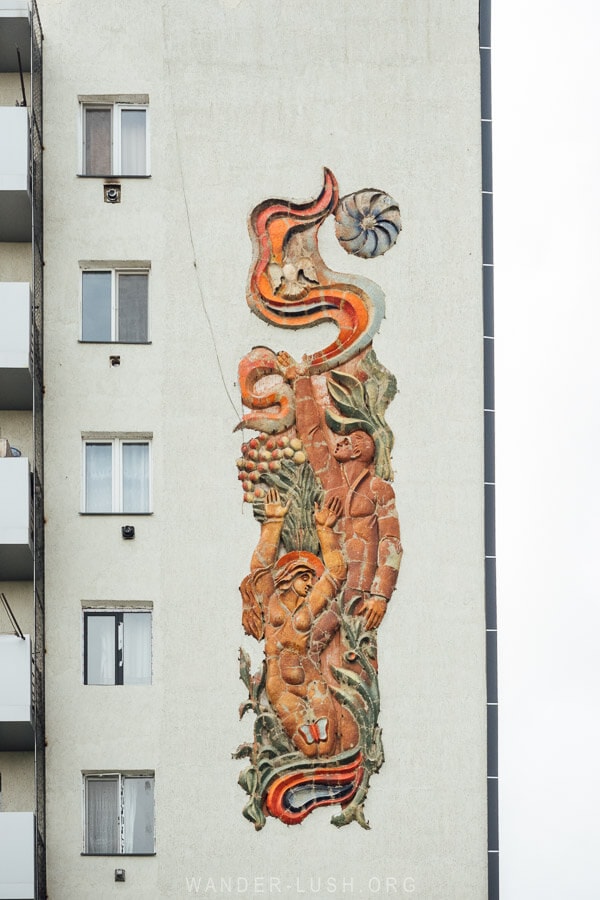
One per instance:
(116, 476)
(119, 813)
(115, 139)
(114, 306)
(117, 647)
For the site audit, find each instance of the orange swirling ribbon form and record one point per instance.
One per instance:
(290, 286)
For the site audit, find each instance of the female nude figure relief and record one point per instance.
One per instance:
(287, 597)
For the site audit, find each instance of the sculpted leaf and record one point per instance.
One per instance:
(245, 667)
(245, 707)
(244, 750)
(253, 812)
(341, 425)
(248, 779)
(346, 401)
(350, 386)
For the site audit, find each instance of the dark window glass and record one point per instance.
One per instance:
(133, 307)
(98, 141)
(96, 306)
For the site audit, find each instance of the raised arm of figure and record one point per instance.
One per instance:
(309, 423)
(334, 575)
(265, 554)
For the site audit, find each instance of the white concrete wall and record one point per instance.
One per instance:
(14, 156)
(11, 91)
(15, 259)
(18, 794)
(17, 856)
(249, 100)
(20, 597)
(15, 492)
(15, 678)
(15, 324)
(16, 426)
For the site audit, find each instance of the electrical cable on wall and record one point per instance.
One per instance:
(189, 225)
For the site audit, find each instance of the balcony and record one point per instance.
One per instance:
(15, 31)
(17, 856)
(16, 725)
(15, 195)
(16, 388)
(16, 528)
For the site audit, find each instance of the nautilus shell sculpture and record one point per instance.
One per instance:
(367, 223)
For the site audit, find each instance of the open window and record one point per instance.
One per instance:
(117, 647)
(119, 813)
(115, 137)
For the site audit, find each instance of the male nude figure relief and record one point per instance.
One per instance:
(369, 523)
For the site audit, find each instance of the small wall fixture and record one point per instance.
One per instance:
(128, 532)
(115, 360)
(119, 874)
(112, 192)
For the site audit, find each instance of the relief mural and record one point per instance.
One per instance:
(318, 475)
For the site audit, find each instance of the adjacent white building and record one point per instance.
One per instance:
(164, 125)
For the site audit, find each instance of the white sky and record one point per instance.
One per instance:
(546, 112)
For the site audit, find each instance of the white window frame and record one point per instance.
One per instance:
(115, 150)
(117, 443)
(115, 612)
(119, 777)
(115, 272)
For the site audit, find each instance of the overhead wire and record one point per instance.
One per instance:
(203, 305)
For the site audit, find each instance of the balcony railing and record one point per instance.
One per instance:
(17, 856)
(15, 188)
(16, 386)
(16, 525)
(16, 722)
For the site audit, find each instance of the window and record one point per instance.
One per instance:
(116, 475)
(117, 647)
(114, 305)
(119, 812)
(115, 138)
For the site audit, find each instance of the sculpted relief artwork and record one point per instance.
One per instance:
(317, 473)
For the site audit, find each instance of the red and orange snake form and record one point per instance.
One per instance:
(291, 287)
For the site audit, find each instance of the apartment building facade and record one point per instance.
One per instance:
(169, 130)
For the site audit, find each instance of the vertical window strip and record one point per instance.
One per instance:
(135, 476)
(133, 141)
(103, 819)
(101, 649)
(131, 318)
(99, 477)
(97, 306)
(98, 138)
